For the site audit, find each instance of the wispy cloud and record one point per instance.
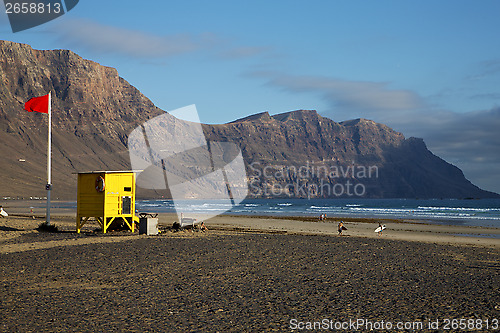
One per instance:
(245, 52)
(453, 132)
(347, 94)
(101, 38)
(486, 96)
(485, 69)
(97, 37)
(347, 97)
(469, 140)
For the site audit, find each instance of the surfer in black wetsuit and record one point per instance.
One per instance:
(380, 226)
(341, 228)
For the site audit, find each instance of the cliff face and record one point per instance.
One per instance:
(303, 154)
(94, 111)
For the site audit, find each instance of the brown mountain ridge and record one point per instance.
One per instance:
(94, 111)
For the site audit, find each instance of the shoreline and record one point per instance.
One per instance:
(396, 229)
(39, 207)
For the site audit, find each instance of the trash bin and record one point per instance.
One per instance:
(148, 224)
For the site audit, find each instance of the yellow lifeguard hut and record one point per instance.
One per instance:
(106, 196)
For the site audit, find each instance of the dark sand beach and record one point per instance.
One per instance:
(240, 279)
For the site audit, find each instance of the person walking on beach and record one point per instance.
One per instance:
(341, 227)
(380, 227)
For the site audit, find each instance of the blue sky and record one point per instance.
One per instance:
(428, 69)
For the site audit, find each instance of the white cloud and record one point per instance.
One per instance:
(100, 38)
(348, 96)
(82, 33)
(468, 140)
(485, 69)
(244, 52)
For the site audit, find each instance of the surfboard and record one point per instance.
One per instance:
(344, 228)
(379, 229)
(3, 213)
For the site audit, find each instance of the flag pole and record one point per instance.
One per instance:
(48, 187)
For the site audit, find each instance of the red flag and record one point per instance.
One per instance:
(38, 104)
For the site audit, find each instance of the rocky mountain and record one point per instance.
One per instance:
(93, 110)
(303, 154)
(298, 154)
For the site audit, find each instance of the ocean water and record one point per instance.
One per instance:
(484, 212)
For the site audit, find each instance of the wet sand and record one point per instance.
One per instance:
(396, 230)
(244, 275)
